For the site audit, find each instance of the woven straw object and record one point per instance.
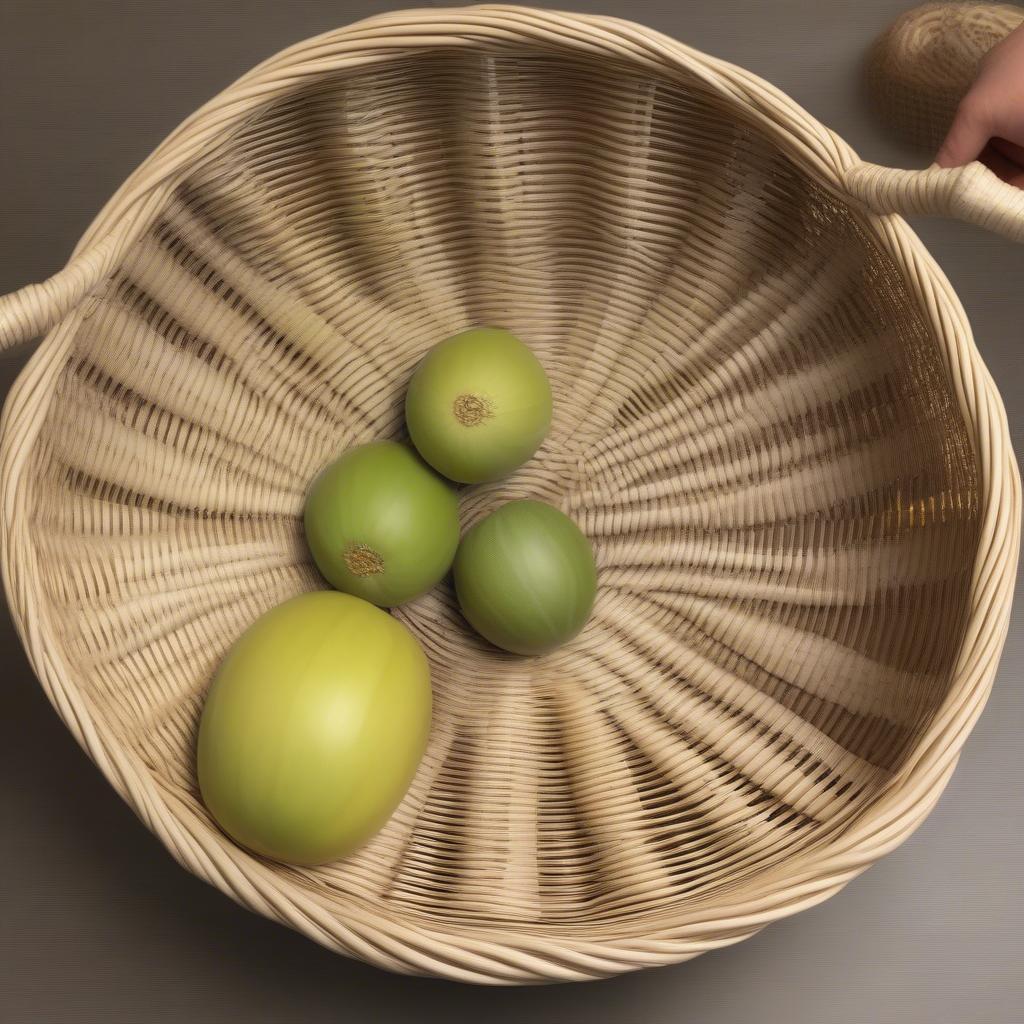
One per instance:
(920, 69)
(770, 418)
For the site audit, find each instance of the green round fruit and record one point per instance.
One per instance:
(478, 406)
(381, 524)
(525, 577)
(313, 728)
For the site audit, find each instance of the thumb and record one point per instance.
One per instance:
(966, 138)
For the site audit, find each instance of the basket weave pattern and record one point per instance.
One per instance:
(923, 65)
(769, 419)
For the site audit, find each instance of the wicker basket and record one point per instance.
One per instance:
(919, 70)
(770, 418)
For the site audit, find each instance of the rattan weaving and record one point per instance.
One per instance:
(770, 418)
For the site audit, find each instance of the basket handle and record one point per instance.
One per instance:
(970, 193)
(34, 309)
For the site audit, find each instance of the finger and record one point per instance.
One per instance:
(1009, 149)
(966, 139)
(1009, 170)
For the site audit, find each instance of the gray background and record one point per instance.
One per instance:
(98, 923)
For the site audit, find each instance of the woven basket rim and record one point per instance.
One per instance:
(512, 952)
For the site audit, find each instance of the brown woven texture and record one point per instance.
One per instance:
(920, 69)
(770, 419)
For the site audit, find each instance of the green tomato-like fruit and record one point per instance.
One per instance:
(313, 728)
(525, 577)
(478, 406)
(381, 524)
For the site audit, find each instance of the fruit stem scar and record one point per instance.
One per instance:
(363, 560)
(472, 410)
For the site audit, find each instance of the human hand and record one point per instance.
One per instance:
(989, 123)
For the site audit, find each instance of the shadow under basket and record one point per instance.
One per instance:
(770, 419)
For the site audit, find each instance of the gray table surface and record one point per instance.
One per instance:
(97, 921)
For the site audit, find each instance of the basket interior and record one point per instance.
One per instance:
(752, 424)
